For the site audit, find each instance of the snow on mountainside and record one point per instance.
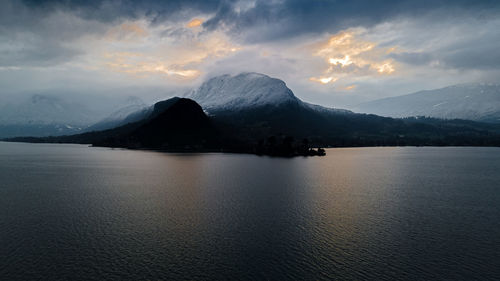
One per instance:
(479, 102)
(134, 109)
(132, 104)
(227, 94)
(245, 90)
(248, 90)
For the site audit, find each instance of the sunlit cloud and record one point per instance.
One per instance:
(343, 61)
(349, 88)
(195, 23)
(142, 65)
(346, 56)
(323, 80)
(153, 53)
(128, 31)
(386, 68)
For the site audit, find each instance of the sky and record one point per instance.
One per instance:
(333, 53)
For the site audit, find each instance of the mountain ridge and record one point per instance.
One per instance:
(471, 101)
(278, 125)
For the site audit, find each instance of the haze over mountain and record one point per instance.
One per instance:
(479, 102)
(44, 109)
(133, 110)
(53, 115)
(43, 115)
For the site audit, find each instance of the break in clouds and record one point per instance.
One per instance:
(335, 53)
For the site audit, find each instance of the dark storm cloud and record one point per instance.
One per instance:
(288, 18)
(281, 18)
(109, 10)
(40, 33)
(37, 32)
(31, 37)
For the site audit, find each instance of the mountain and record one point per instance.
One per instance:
(45, 109)
(261, 106)
(478, 102)
(246, 90)
(43, 115)
(173, 124)
(271, 120)
(133, 110)
(254, 107)
(54, 115)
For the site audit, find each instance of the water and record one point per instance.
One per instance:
(74, 212)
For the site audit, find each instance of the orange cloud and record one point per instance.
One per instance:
(181, 57)
(140, 65)
(194, 23)
(348, 56)
(128, 31)
(323, 80)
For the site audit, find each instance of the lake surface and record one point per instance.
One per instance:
(75, 212)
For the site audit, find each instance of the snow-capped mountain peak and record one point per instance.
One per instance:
(245, 90)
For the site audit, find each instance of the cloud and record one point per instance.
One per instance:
(142, 50)
(194, 23)
(475, 45)
(44, 33)
(130, 31)
(346, 55)
(290, 18)
(327, 51)
(350, 87)
(33, 52)
(460, 43)
(31, 38)
(413, 58)
(109, 11)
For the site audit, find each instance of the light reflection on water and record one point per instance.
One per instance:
(69, 211)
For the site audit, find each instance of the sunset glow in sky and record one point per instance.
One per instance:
(328, 52)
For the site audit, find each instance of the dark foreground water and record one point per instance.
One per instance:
(74, 212)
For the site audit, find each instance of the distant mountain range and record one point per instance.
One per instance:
(50, 115)
(43, 115)
(478, 102)
(252, 112)
(134, 110)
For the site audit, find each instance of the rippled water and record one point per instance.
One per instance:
(75, 212)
